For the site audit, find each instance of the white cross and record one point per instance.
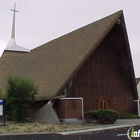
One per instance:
(13, 25)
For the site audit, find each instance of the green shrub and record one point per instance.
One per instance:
(103, 115)
(128, 116)
(91, 112)
(19, 95)
(107, 116)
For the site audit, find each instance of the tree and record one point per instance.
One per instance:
(19, 95)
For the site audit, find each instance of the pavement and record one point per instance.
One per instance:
(120, 123)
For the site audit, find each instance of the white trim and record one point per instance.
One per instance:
(138, 105)
(70, 98)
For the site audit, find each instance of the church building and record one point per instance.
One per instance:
(88, 69)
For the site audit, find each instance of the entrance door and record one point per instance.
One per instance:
(103, 102)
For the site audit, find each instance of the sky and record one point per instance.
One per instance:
(40, 21)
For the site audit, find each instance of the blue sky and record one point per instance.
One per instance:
(40, 21)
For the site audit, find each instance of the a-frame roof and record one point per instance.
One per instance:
(53, 64)
(8, 61)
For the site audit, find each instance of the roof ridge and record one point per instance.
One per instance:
(119, 13)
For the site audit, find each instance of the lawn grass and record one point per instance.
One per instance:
(12, 127)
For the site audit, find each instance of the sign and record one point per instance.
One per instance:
(1, 107)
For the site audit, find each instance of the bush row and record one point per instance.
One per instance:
(103, 115)
(128, 116)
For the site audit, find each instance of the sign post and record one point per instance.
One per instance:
(2, 109)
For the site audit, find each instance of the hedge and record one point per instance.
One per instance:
(103, 115)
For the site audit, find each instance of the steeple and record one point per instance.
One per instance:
(13, 25)
(12, 46)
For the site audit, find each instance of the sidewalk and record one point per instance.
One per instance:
(120, 123)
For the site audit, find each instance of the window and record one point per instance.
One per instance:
(103, 102)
